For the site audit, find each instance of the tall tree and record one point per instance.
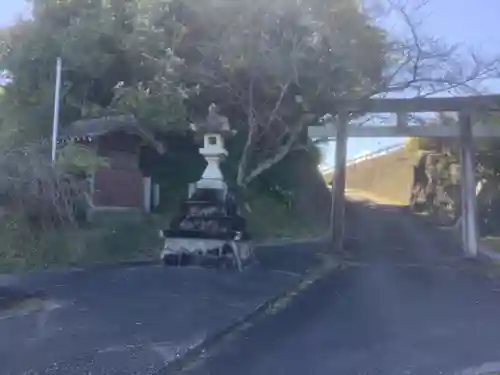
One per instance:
(114, 60)
(274, 67)
(281, 65)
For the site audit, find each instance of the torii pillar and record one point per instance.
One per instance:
(469, 226)
(339, 182)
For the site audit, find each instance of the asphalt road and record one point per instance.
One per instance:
(405, 302)
(132, 319)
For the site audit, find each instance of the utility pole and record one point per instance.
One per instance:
(55, 123)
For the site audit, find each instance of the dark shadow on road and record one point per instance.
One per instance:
(12, 297)
(391, 232)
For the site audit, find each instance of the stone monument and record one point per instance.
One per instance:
(209, 229)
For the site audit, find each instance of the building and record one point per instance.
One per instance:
(120, 185)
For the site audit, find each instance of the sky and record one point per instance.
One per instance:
(473, 23)
(11, 10)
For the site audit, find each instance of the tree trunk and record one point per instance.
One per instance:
(244, 177)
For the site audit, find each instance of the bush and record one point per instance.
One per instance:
(105, 242)
(30, 186)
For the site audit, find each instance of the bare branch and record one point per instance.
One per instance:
(428, 67)
(30, 186)
(277, 106)
(240, 179)
(278, 155)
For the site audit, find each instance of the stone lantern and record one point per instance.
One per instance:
(209, 228)
(214, 130)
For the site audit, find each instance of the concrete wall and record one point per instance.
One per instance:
(388, 176)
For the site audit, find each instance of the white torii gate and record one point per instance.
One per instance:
(465, 130)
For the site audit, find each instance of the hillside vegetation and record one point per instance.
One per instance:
(273, 68)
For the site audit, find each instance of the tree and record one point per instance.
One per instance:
(276, 66)
(273, 67)
(281, 66)
(115, 60)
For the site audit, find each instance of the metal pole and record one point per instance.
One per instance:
(338, 190)
(55, 123)
(468, 182)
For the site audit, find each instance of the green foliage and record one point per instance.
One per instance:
(79, 159)
(280, 180)
(277, 66)
(106, 242)
(273, 64)
(112, 59)
(165, 61)
(487, 149)
(272, 218)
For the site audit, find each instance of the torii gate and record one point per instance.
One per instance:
(466, 107)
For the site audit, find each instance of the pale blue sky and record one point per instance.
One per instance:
(10, 11)
(473, 23)
(470, 22)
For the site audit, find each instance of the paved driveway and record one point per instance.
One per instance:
(405, 302)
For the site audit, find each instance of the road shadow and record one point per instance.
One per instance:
(380, 231)
(12, 297)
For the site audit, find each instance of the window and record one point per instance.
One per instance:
(212, 141)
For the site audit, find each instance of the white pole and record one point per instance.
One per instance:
(55, 124)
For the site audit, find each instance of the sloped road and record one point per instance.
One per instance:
(405, 302)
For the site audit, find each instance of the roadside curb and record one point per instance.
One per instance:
(272, 306)
(12, 297)
(486, 252)
(117, 265)
(286, 242)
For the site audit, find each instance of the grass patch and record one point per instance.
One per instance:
(104, 242)
(114, 238)
(269, 219)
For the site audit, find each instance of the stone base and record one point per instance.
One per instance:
(209, 252)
